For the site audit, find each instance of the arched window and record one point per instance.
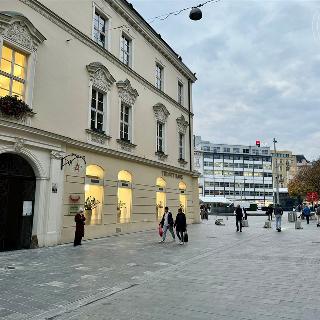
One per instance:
(94, 194)
(160, 197)
(124, 196)
(183, 196)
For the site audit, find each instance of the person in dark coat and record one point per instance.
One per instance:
(167, 224)
(269, 212)
(80, 222)
(180, 225)
(239, 215)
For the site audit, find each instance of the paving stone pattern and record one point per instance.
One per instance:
(220, 274)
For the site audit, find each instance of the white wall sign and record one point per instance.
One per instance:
(27, 208)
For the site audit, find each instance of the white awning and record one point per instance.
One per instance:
(211, 199)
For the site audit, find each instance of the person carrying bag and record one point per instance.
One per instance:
(181, 226)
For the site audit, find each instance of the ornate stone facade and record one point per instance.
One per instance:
(100, 76)
(182, 124)
(161, 112)
(127, 94)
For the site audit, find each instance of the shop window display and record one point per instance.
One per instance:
(160, 197)
(124, 197)
(94, 195)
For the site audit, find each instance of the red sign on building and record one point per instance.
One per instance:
(312, 197)
(258, 143)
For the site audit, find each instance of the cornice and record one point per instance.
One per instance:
(64, 25)
(89, 147)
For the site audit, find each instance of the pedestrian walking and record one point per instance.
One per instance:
(180, 225)
(167, 224)
(80, 222)
(318, 216)
(306, 213)
(269, 212)
(239, 215)
(245, 214)
(278, 212)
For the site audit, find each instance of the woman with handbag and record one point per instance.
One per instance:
(180, 225)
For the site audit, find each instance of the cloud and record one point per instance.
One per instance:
(258, 65)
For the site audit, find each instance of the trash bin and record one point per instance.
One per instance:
(292, 216)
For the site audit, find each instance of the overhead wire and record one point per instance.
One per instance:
(177, 12)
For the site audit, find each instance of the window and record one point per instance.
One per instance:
(125, 51)
(159, 76)
(181, 146)
(226, 149)
(125, 119)
(12, 72)
(236, 150)
(246, 150)
(160, 136)
(97, 110)
(180, 93)
(99, 29)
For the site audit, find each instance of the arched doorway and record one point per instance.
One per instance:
(124, 196)
(17, 195)
(183, 196)
(160, 197)
(94, 194)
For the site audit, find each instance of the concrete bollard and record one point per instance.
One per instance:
(298, 224)
(267, 224)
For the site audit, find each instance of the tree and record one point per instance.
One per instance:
(307, 180)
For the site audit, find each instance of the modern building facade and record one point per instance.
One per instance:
(236, 172)
(287, 167)
(110, 124)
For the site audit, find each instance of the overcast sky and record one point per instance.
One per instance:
(258, 68)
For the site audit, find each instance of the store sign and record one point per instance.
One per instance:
(172, 175)
(74, 209)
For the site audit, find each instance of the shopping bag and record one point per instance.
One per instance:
(185, 237)
(160, 231)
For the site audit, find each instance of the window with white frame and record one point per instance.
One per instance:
(13, 69)
(180, 93)
(97, 110)
(125, 122)
(126, 50)
(159, 76)
(181, 146)
(160, 136)
(100, 29)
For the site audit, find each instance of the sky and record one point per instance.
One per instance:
(258, 69)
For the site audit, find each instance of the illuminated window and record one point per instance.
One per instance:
(100, 29)
(125, 122)
(124, 197)
(159, 76)
(94, 194)
(12, 72)
(160, 197)
(183, 196)
(97, 110)
(125, 50)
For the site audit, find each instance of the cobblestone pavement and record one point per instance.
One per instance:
(220, 274)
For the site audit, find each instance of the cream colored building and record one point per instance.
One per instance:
(287, 166)
(111, 122)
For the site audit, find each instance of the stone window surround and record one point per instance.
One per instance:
(97, 9)
(161, 114)
(131, 47)
(18, 32)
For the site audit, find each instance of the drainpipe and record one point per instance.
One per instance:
(189, 115)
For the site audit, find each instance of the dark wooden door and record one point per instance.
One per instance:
(17, 185)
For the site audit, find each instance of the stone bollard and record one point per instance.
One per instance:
(267, 224)
(298, 224)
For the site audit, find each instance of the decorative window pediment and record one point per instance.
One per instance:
(17, 29)
(126, 93)
(100, 76)
(182, 124)
(161, 112)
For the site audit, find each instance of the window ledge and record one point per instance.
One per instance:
(126, 145)
(161, 155)
(97, 137)
(182, 162)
